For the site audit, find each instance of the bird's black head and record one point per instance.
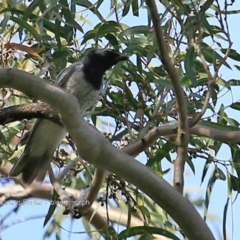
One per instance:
(97, 62)
(104, 59)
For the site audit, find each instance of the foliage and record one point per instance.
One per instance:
(43, 37)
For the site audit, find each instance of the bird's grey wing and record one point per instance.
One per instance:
(42, 142)
(65, 74)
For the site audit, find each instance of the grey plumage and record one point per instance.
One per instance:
(84, 80)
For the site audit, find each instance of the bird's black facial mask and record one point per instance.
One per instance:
(97, 62)
(104, 59)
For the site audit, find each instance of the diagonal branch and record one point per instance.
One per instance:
(94, 148)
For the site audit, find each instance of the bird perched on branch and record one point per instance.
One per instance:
(84, 80)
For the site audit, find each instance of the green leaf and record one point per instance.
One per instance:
(235, 183)
(99, 3)
(207, 27)
(234, 82)
(151, 53)
(190, 66)
(127, 92)
(135, 7)
(204, 8)
(145, 212)
(198, 143)
(57, 26)
(45, 10)
(87, 4)
(27, 27)
(51, 209)
(226, 207)
(224, 226)
(237, 67)
(126, 9)
(191, 165)
(223, 83)
(112, 40)
(135, 49)
(89, 35)
(212, 56)
(58, 54)
(48, 25)
(210, 185)
(185, 81)
(135, 30)
(235, 152)
(163, 82)
(162, 152)
(33, 5)
(220, 174)
(134, 231)
(235, 106)
(233, 53)
(69, 18)
(3, 139)
(108, 27)
(4, 22)
(205, 169)
(139, 64)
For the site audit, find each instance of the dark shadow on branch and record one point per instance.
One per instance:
(28, 111)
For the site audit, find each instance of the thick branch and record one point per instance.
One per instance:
(28, 111)
(94, 148)
(43, 110)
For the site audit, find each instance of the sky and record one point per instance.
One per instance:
(33, 228)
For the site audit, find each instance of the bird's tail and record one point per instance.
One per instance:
(31, 167)
(41, 144)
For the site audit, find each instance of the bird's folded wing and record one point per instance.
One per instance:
(42, 142)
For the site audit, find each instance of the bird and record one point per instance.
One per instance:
(84, 80)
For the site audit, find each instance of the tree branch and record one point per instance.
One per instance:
(94, 148)
(28, 111)
(183, 130)
(132, 149)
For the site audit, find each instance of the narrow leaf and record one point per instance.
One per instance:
(233, 54)
(224, 225)
(235, 106)
(27, 27)
(135, 30)
(190, 66)
(51, 209)
(135, 7)
(134, 231)
(205, 7)
(210, 185)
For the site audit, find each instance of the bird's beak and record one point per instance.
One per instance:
(121, 58)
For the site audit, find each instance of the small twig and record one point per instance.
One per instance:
(6, 97)
(65, 199)
(66, 169)
(85, 201)
(154, 115)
